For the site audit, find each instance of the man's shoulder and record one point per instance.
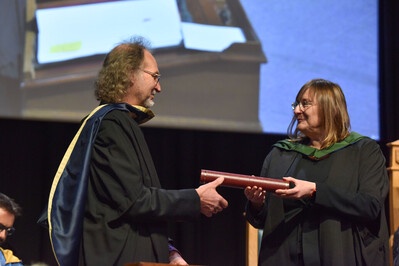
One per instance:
(8, 257)
(104, 110)
(116, 114)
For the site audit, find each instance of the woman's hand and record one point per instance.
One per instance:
(302, 189)
(256, 195)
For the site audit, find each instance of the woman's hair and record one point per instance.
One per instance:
(120, 63)
(332, 112)
(10, 205)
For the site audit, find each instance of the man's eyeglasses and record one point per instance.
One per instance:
(302, 105)
(9, 230)
(156, 76)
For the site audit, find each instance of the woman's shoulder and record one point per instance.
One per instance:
(367, 145)
(358, 139)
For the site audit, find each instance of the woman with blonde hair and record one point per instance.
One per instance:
(335, 213)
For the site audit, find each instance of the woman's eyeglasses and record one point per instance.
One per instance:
(303, 105)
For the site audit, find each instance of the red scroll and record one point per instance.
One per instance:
(243, 181)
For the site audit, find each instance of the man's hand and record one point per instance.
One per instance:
(211, 201)
(176, 259)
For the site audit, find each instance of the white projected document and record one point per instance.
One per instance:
(84, 30)
(209, 37)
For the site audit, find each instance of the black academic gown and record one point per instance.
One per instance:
(127, 211)
(344, 224)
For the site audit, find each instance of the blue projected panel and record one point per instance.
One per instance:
(332, 39)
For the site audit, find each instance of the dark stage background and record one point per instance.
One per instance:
(31, 151)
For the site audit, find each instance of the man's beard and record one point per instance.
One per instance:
(149, 103)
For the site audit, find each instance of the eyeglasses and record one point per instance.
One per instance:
(9, 230)
(156, 76)
(302, 105)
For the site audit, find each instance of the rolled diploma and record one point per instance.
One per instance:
(243, 181)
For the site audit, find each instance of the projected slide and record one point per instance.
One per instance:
(229, 65)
